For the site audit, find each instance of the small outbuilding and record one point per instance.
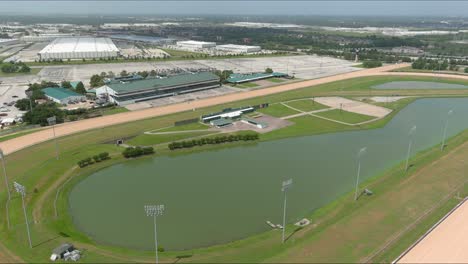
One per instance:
(62, 95)
(59, 252)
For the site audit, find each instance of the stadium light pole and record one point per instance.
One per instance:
(22, 191)
(7, 186)
(29, 94)
(155, 211)
(52, 121)
(359, 154)
(411, 132)
(445, 130)
(286, 185)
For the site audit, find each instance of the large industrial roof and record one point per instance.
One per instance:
(80, 44)
(59, 93)
(235, 46)
(158, 83)
(194, 42)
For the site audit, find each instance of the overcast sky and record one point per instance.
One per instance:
(246, 7)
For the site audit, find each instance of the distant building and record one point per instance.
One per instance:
(242, 77)
(192, 44)
(5, 42)
(62, 95)
(45, 37)
(79, 48)
(139, 90)
(238, 48)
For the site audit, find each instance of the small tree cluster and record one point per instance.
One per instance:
(371, 64)
(96, 158)
(212, 140)
(133, 152)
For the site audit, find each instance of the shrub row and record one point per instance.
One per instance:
(96, 158)
(132, 152)
(212, 140)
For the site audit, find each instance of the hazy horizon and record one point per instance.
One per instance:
(241, 7)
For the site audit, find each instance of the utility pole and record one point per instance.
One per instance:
(444, 135)
(411, 132)
(286, 185)
(22, 191)
(29, 94)
(52, 121)
(154, 211)
(359, 154)
(7, 186)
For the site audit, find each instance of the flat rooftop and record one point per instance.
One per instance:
(159, 83)
(80, 44)
(445, 242)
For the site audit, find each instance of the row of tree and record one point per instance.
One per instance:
(13, 67)
(96, 158)
(371, 64)
(133, 152)
(212, 140)
(430, 64)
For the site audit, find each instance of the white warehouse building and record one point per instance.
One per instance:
(79, 48)
(238, 48)
(192, 44)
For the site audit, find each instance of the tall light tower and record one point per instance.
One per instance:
(22, 191)
(155, 211)
(29, 94)
(286, 185)
(52, 121)
(445, 130)
(359, 154)
(7, 186)
(411, 132)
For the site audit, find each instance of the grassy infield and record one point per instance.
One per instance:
(36, 167)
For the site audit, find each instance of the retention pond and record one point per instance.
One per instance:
(219, 196)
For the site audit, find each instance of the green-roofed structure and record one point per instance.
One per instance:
(250, 77)
(134, 91)
(62, 95)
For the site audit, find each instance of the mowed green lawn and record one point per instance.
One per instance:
(36, 167)
(278, 110)
(246, 85)
(306, 105)
(191, 126)
(345, 116)
(147, 140)
(276, 80)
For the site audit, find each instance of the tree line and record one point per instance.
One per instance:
(212, 140)
(132, 152)
(96, 158)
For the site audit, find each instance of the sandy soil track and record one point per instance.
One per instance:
(446, 243)
(83, 125)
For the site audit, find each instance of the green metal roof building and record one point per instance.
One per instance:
(126, 92)
(62, 95)
(240, 77)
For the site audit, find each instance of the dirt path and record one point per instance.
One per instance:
(83, 125)
(6, 256)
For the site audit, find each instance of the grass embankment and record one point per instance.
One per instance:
(345, 116)
(36, 168)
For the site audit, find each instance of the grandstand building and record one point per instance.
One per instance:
(139, 90)
(250, 77)
(79, 48)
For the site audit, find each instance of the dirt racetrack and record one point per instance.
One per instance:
(87, 124)
(446, 243)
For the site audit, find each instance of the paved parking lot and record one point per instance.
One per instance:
(304, 66)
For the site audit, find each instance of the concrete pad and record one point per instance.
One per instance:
(353, 106)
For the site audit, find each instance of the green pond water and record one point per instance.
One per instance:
(219, 196)
(419, 85)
